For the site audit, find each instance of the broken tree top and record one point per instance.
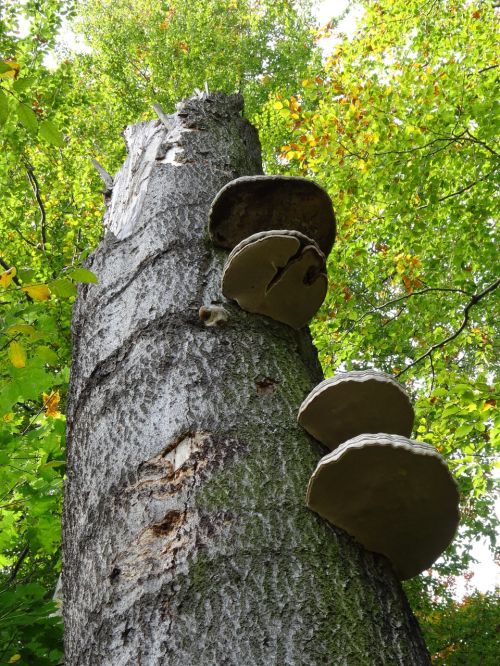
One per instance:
(353, 403)
(394, 495)
(253, 204)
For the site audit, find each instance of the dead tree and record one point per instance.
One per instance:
(186, 536)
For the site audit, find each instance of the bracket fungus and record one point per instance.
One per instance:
(395, 496)
(281, 274)
(252, 204)
(353, 403)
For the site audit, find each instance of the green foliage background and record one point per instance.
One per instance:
(399, 123)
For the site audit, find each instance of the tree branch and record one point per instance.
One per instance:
(387, 304)
(36, 191)
(473, 301)
(474, 139)
(17, 565)
(460, 191)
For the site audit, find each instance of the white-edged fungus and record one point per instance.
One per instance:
(353, 403)
(281, 274)
(251, 204)
(395, 496)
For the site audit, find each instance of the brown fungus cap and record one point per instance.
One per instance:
(281, 274)
(353, 403)
(395, 496)
(252, 204)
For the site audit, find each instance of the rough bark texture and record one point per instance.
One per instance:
(186, 537)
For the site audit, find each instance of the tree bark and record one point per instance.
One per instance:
(186, 537)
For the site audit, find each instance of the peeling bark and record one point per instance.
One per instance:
(186, 536)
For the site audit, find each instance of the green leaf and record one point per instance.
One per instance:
(49, 132)
(4, 107)
(83, 275)
(22, 84)
(27, 118)
(47, 355)
(62, 288)
(464, 430)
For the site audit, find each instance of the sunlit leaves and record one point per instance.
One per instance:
(9, 69)
(6, 277)
(17, 354)
(51, 403)
(38, 292)
(27, 118)
(49, 132)
(83, 275)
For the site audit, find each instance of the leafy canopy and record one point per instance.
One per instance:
(398, 123)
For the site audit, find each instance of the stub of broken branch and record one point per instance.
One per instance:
(106, 178)
(161, 114)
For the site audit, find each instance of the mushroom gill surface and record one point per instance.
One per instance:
(395, 496)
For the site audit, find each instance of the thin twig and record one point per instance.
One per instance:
(473, 301)
(387, 304)
(474, 139)
(433, 374)
(17, 565)
(485, 69)
(416, 148)
(35, 185)
(13, 339)
(460, 191)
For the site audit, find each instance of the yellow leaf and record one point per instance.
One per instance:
(17, 354)
(25, 329)
(38, 292)
(51, 403)
(278, 106)
(15, 658)
(11, 73)
(6, 277)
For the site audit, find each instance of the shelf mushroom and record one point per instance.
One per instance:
(280, 230)
(395, 496)
(354, 403)
(251, 204)
(281, 274)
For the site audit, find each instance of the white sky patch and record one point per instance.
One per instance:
(328, 9)
(68, 41)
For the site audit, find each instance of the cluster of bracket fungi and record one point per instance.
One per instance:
(394, 495)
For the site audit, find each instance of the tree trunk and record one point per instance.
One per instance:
(186, 537)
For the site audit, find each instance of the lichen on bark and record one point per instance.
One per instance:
(186, 536)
